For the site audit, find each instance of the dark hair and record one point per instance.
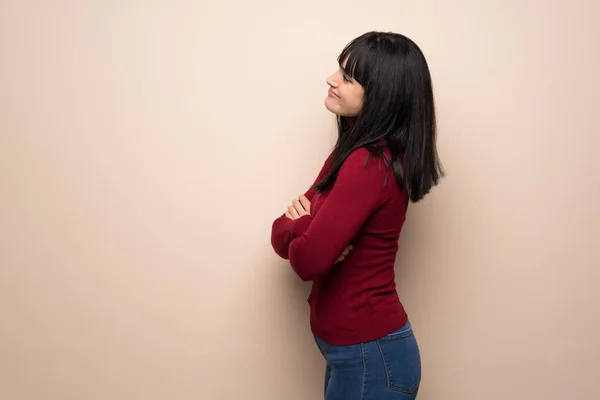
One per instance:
(398, 106)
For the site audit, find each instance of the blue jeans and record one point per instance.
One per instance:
(388, 368)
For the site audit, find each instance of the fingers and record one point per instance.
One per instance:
(345, 253)
(299, 207)
(305, 203)
(293, 212)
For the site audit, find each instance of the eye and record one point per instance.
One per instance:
(347, 78)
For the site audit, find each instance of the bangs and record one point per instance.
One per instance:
(356, 53)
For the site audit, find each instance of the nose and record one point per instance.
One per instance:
(331, 81)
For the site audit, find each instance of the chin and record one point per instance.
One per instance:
(330, 107)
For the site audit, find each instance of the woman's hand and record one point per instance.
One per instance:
(299, 207)
(345, 253)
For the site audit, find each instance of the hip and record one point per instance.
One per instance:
(387, 367)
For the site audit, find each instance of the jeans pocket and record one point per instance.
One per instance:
(402, 360)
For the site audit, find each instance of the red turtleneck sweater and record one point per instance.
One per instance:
(354, 300)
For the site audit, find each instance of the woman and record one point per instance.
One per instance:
(342, 234)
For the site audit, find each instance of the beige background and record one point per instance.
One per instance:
(146, 146)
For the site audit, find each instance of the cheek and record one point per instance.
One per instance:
(357, 100)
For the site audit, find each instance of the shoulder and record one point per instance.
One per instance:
(364, 168)
(362, 160)
(363, 177)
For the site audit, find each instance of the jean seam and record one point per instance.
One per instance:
(364, 377)
(387, 372)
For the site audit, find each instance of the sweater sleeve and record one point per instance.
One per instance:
(284, 230)
(359, 190)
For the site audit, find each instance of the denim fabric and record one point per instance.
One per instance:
(388, 368)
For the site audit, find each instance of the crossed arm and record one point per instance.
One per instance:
(313, 244)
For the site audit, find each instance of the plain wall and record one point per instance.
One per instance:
(146, 147)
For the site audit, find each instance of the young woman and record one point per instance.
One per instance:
(342, 234)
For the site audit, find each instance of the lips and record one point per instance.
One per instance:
(333, 94)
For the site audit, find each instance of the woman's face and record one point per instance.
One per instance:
(345, 97)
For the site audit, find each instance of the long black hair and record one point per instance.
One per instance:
(398, 106)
